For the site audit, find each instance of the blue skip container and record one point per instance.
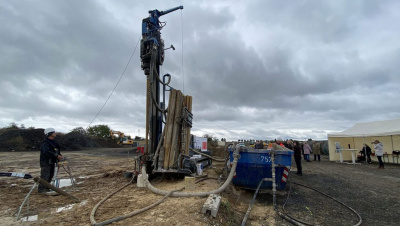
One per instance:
(255, 164)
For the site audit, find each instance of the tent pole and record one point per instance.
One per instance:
(391, 137)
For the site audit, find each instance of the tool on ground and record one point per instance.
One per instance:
(26, 200)
(65, 165)
(49, 186)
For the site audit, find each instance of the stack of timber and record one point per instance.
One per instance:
(177, 130)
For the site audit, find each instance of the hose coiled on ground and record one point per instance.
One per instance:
(296, 221)
(236, 156)
(166, 194)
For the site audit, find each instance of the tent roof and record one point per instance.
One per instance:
(379, 128)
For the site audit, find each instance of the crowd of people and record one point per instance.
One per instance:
(304, 148)
(300, 149)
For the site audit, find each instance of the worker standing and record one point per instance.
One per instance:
(316, 148)
(297, 157)
(307, 151)
(49, 156)
(367, 150)
(379, 153)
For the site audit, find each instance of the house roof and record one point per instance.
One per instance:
(378, 128)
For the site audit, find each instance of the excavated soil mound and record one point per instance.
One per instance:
(31, 139)
(76, 141)
(21, 140)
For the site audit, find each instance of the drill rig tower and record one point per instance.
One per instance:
(152, 57)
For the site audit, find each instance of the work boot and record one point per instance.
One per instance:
(52, 193)
(43, 191)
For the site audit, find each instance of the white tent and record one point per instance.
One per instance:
(387, 132)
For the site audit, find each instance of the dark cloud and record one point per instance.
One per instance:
(257, 69)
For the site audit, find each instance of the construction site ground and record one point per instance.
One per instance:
(371, 192)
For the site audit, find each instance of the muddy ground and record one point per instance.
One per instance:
(373, 193)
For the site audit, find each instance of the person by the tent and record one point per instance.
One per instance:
(316, 148)
(379, 153)
(307, 151)
(366, 150)
(49, 155)
(297, 157)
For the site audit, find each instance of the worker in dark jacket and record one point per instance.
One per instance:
(259, 145)
(49, 156)
(297, 157)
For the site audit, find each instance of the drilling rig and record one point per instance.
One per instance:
(165, 150)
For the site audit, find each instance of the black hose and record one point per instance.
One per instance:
(92, 220)
(355, 212)
(131, 214)
(251, 203)
(300, 222)
(136, 212)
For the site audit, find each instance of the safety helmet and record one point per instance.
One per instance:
(49, 131)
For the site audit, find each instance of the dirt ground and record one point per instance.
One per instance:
(371, 192)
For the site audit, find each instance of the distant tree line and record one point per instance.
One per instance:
(97, 130)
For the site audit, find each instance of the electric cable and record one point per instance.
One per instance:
(183, 76)
(123, 72)
(300, 222)
(116, 84)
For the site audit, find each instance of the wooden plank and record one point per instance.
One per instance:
(188, 129)
(176, 129)
(184, 142)
(169, 127)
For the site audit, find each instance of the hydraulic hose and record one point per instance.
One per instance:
(135, 212)
(92, 220)
(259, 185)
(236, 156)
(251, 203)
(158, 147)
(166, 194)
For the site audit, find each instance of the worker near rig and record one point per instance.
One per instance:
(49, 156)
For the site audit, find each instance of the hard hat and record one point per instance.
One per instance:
(49, 131)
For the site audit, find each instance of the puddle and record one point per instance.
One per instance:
(91, 176)
(30, 218)
(55, 210)
(67, 207)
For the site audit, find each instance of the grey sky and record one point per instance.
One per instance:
(256, 69)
